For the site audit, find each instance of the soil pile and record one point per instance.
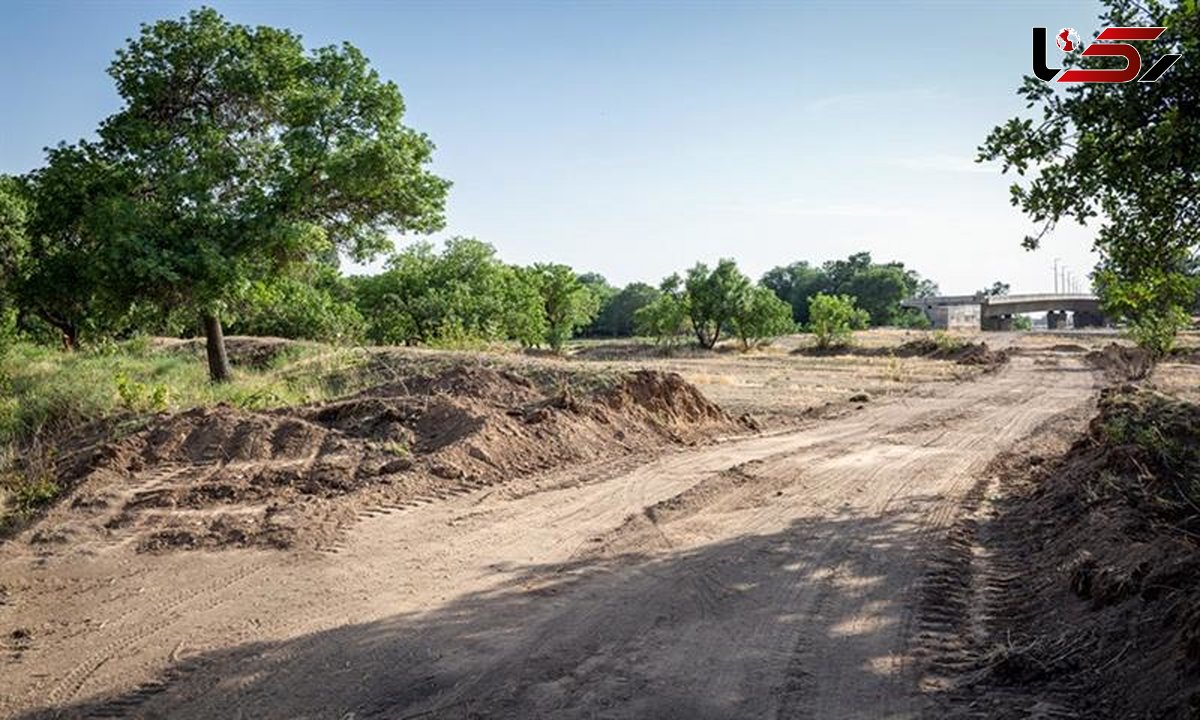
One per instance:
(963, 354)
(220, 476)
(1121, 363)
(967, 353)
(1097, 587)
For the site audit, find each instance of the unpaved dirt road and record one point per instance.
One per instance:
(770, 576)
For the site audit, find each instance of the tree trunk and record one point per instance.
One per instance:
(218, 361)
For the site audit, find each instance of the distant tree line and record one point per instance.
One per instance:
(877, 288)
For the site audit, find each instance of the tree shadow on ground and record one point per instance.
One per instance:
(809, 621)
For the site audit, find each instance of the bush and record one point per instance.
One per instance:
(761, 317)
(664, 317)
(834, 318)
(1022, 322)
(913, 319)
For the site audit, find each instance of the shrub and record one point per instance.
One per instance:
(664, 317)
(913, 319)
(761, 317)
(834, 318)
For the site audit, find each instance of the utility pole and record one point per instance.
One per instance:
(1056, 261)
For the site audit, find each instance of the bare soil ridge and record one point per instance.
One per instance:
(218, 477)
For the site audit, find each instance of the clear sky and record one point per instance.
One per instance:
(635, 138)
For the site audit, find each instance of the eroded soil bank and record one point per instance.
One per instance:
(1074, 590)
(293, 478)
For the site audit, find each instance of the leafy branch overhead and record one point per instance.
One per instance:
(1122, 156)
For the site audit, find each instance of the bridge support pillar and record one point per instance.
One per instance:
(1086, 319)
(1057, 319)
(998, 322)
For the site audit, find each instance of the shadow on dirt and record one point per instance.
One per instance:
(762, 625)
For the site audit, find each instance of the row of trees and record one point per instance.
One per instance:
(877, 287)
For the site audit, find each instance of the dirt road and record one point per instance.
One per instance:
(771, 576)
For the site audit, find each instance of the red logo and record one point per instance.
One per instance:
(1067, 40)
(1108, 44)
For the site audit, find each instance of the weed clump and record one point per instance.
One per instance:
(1155, 439)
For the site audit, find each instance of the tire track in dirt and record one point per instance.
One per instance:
(771, 576)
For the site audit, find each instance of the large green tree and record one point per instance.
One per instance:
(247, 153)
(65, 277)
(714, 298)
(1126, 157)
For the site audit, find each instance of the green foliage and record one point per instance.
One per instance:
(617, 311)
(314, 304)
(665, 317)
(761, 317)
(237, 153)
(1157, 437)
(567, 303)
(45, 391)
(604, 294)
(833, 319)
(462, 295)
(947, 343)
(60, 278)
(1022, 322)
(879, 288)
(1154, 305)
(714, 298)
(1122, 155)
(997, 289)
(141, 397)
(15, 212)
(913, 319)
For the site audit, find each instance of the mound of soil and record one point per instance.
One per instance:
(212, 477)
(1097, 595)
(963, 354)
(1121, 363)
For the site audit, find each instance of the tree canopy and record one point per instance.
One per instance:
(877, 287)
(237, 153)
(1121, 156)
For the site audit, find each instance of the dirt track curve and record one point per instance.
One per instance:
(770, 576)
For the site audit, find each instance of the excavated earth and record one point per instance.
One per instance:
(1074, 591)
(474, 544)
(217, 477)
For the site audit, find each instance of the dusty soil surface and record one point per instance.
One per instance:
(1073, 590)
(779, 387)
(774, 575)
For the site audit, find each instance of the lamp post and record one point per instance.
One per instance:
(1056, 261)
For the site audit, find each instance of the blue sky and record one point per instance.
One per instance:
(635, 138)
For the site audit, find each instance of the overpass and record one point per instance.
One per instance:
(996, 312)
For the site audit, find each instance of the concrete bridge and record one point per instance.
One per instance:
(996, 312)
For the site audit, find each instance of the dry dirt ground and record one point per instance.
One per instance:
(782, 573)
